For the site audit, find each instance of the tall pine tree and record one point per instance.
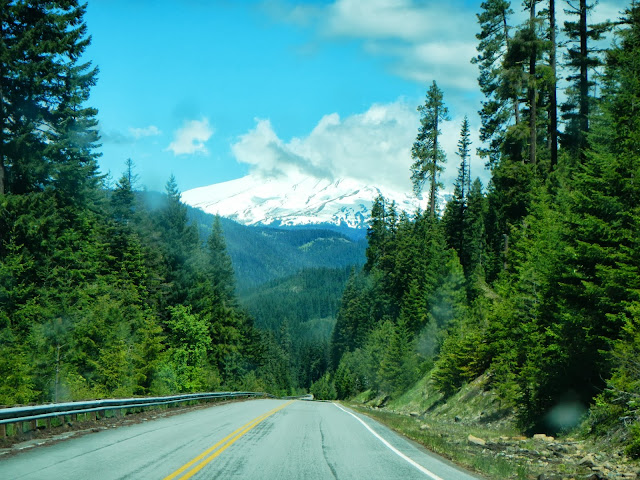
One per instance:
(47, 135)
(427, 151)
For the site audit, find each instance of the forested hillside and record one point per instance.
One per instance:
(533, 280)
(300, 311)
(100, 294)
(260, 254)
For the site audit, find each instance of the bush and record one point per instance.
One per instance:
(323, 388)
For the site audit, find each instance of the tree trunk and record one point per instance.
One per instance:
(532, 86)
(553, 107)
(584, 78)
(2, 122)
(516, 107)
(505, 251)
(432, 196)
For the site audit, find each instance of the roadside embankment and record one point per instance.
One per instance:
(473, 429)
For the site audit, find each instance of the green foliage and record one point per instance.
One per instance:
(583, 59)
(220, 268)
(633, 447)
(115, 300)
(427, 152)
(323, 389)
(500, 107)
(398, 363)
(458, 362)
(308, 303)
(47, 134)
(447, 304)
(189, 339)
(260, 255)
(455, 211)
(408, 295)
(543, 299)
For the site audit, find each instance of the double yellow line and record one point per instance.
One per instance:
(210, 453)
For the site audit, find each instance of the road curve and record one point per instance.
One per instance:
(257, 439)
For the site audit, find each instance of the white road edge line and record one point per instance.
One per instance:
(392, 448)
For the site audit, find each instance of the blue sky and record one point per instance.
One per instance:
(214, 90)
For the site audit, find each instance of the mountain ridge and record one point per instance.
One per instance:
(265, 253)
(296, 200)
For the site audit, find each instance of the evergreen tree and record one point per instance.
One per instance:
(414, 309)
(398, 368)
(602, 270)
(123, 201)
(448, 302)
(453, 219)
(47, 136)
(352, 322)
(379, 233)
(220, 268)
(522, 66)
(473, 254)
(553, 100)
(581, 59)
(500, 108)
(427, 152)
(533, 46)
(179, 241)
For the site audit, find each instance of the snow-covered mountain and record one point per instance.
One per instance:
(295, 201)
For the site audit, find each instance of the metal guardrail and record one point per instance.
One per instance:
(37, 412)
(309, 396)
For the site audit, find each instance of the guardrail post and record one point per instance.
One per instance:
(3, 430)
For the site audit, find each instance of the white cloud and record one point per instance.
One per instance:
(392, 19)
(191, 138)
(422, 41)
(150, 131)
(271, 157)
(440, 61)
(373, 147)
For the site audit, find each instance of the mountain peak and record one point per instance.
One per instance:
(295, 201)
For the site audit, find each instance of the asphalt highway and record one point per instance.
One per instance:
(257, 439)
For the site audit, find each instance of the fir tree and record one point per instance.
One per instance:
(500, 108)
(453, 219)
(581, 59)
(553, 100)
(47, 135)
(474, 250)
(427, 152)
(220, 267)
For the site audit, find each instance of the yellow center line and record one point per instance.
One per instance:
(222, 445)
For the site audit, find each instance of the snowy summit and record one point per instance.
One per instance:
(295, 200)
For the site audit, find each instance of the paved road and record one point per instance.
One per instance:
(257, 439)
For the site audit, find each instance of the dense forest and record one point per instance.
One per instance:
(261, 254)
(534, 280)
(104, 291)
(300, 312)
